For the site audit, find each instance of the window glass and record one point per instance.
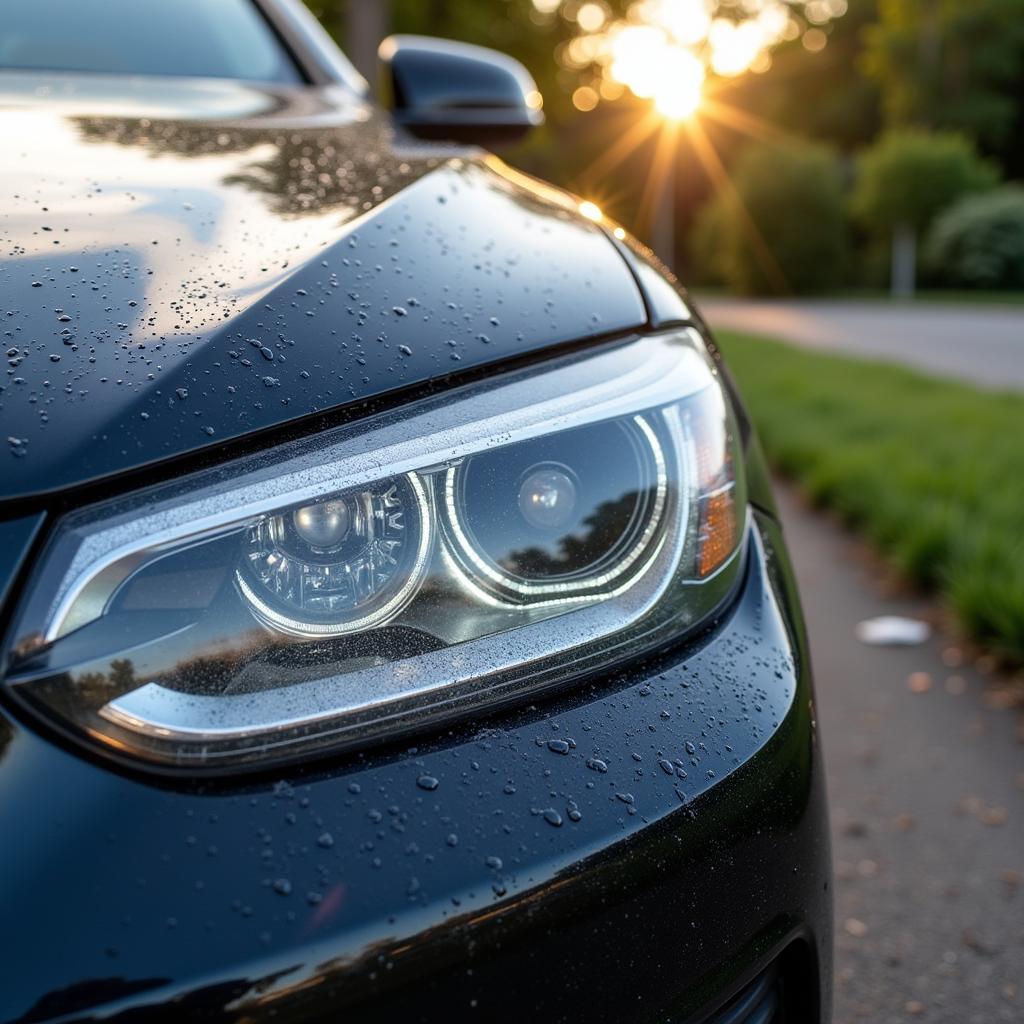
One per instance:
(201, 38)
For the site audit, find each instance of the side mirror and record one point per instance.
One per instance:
(459, 92)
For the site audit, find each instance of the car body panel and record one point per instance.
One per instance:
(16, 537)
(440, 865)
(241, 264)
(216, 259)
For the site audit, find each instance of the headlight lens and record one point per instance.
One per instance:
(340, 565)
(497, 539)
(562, 515)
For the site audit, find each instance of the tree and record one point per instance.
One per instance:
(951, 64)
(904, 180)
(783, 229)
(582, 148)
(845, 112)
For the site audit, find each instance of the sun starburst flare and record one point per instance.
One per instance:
(676, 54)
(667, 51)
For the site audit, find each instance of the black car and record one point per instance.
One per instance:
(397, 623)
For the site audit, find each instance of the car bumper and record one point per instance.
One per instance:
(674, 855)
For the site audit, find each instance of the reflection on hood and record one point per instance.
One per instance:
(187, 261)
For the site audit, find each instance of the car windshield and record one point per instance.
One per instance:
(201, 38)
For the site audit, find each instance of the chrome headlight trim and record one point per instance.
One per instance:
(657, 383)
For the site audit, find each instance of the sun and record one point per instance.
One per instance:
(667, 51)
(678, 97)
(655, 67)
(677, 55)
(678, 106)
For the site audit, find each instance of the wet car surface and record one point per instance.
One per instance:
(661, 825)
(198, 280)
(194, 271)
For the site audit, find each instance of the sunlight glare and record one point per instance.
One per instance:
(669, 51)
(656, 68)
(675, 54)
(680, 91)
(734, 47)
(687, 20)
(590, 17)
(635, 52)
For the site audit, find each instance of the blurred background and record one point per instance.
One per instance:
(839, 182)
(879, 126)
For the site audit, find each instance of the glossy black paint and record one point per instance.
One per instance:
(16, 539)
(527, 883)
(424, 877)
(446, 90)
(226, 259)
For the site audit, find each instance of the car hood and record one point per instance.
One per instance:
(184, 262)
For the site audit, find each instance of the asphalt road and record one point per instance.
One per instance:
(925, 765)
(980, 344)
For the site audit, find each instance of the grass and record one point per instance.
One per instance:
(931, 471)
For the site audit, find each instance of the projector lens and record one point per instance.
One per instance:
(340, 564)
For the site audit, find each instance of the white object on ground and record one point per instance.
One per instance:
(892, 631)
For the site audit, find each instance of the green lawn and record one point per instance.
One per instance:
(929, 470)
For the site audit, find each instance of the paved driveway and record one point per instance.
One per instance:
(983, 345)
(925, 766)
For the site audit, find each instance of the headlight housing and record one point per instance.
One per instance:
(471, 546)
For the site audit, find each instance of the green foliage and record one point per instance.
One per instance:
(908, 176)
(782, 230)
(979, 242)
(845, 111)
(956, 64)
(931, 471)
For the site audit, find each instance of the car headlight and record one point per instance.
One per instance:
(492, 540)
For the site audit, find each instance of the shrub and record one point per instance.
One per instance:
(904, 180)
(782, 230)
(909, 176)
(979, 242)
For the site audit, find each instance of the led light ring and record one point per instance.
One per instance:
(656, 377)
(165, 523)
(296, 627)
(159, 713)
(565, 588)
(489, 599)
